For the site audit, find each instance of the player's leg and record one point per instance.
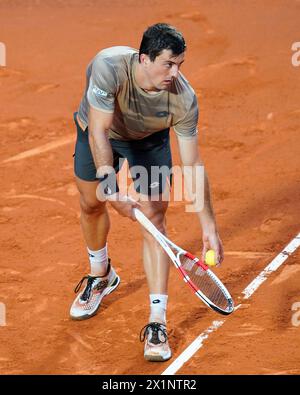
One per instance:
(144, 156)
(94, 219)
(156, 266)
(156, 261)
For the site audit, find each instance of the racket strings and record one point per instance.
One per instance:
(204, 282)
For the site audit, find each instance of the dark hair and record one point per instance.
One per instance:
(159, 37)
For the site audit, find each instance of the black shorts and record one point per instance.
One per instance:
(149, 160)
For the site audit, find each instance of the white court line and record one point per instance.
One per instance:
(272, 267)
(248, 291)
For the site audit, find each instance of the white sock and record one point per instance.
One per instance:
(158, 307)
(98, 261)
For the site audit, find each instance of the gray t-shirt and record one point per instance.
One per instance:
(111, 87)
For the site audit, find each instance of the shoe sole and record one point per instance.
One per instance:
(157, 358)
(113, 286)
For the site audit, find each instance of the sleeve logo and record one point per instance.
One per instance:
(99, 92)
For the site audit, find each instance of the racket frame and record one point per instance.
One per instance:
(166, 244)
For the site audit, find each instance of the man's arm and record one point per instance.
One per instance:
(190, 158)
(99, 123)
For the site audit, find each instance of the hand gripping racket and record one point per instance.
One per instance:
(204, 283)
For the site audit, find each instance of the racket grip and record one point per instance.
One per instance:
(144, 221)
(139, 215)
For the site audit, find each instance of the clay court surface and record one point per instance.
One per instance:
(239, 63)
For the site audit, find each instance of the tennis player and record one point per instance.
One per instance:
(132, 99)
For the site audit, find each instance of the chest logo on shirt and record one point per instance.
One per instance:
(99, 92)
(162, 114)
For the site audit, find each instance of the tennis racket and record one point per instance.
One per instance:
(204, 283)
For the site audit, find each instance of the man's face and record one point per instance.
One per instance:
(164, 69)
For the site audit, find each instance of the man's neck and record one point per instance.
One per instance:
(142, 80)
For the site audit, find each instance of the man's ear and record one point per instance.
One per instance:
(144, 59)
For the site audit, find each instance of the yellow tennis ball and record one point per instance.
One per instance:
(210, 258)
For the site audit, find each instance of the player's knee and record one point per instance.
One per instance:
(91, 206)
(157, 217)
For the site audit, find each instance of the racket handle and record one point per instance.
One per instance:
(139, 216)
(144, 221)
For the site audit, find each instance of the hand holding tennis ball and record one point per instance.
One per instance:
(210, 258)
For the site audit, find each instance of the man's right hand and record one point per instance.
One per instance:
(124, 205)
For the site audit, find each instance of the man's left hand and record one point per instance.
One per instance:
(212, 241)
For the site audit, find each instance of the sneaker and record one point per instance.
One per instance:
(156, 345)
(88, 302)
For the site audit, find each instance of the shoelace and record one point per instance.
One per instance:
(87, 292)
(156, 327)
(90, 281)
